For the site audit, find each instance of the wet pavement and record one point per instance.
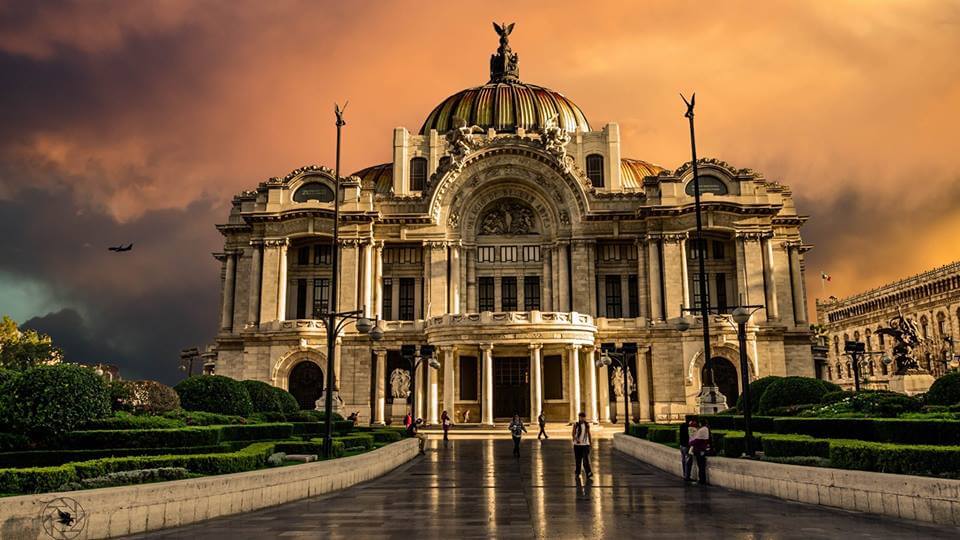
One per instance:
(477, 489)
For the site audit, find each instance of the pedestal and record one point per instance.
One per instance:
(398, 409)
(620, 412)
(711, 401)
(911, 383)
(337, 402)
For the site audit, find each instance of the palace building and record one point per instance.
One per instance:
(930, 301)
(511, 235)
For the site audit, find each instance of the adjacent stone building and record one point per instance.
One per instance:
(931, 300)
(515, 238)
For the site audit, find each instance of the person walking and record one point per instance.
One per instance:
(517, 429)
(407, 420)
(687, 430)
(542, 420)
(581, 445)
(445, 422)
(700, 444)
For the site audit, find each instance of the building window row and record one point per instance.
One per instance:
(487, 293)
(321, 255)
(488, 254)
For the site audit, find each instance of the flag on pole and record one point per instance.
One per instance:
(825, 276)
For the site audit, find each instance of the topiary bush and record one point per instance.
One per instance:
(200, 418)
(945, 390)
(791, 391)
(834, 397)
(120, 395)
(262, 396)
(215, 394)
(757, 388)
(288, 403)
(150, 397)
(45, 402)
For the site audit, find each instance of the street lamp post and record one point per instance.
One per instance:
(187, 357)
(334, 320)
(610, 355)
(414, 359)
(857, 352)
(741, 315)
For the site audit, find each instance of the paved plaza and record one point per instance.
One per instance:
(477, 489)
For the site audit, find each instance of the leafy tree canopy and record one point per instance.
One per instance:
(22, 349)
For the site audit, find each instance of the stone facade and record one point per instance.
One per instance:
(931, 300)
(516, 243)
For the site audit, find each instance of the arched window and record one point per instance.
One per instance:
(923, 326)
(836, 344)
(313, 191)
(418, 173)
(595, 170)
(829, 373)
(942, 325)
(708, 184)
(867, 339)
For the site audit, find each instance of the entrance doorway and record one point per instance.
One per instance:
(306, 384)
(725, 378)
(511, 387)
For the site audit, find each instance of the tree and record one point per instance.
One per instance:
(22, 349)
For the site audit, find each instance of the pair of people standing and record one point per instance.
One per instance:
(581, 440)
(694, 445)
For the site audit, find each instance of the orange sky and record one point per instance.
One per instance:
(128, 110)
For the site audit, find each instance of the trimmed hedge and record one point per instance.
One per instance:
(256, 432)
(47, 458)
(45, 402)
(35, 479)
(945, 390)
(790, 391)
(13, 441)
(288, 404)
(216, 394)
(262, 396)
(314, 446)
(775, 445)
(312, 416)
(124, 420)
(923, 460)
(664, 434)
(757, 388)
(146, 397)
(357, 440)
(892, 430)
(142, 438)
(200, 418)
(386, 435)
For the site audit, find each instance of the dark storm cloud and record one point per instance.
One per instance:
(134, 309)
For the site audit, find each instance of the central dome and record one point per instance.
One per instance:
(506, 104)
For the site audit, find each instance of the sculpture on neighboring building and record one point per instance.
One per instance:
(460, 142)
(617, 381)
(400, 383)
(507, 217)
(908, 338)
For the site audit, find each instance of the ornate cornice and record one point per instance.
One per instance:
(753, 236)
(276, 242)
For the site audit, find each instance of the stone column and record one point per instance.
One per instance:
(454, 286)
(368, 279)
(379, 408)
(769, 279)
(486, 408)
(604, 384)
(471, 280)
(562, 265)
(573, 360)
(378, 281)
(253, 303)
(433, 402)
(796, 282)
(421, 394)
(349, 273)
(226, 312)
(656, 302)
(753, 259)
(449, 398)
(546, 285)
(643, 386)
(643, 297)
(593, 414)
(685, 273)
(282, 282)
(536, 381)
(269, 280)
(742, 285)
(673, 274)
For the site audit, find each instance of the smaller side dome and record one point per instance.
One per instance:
(381, 176)
(633, 171)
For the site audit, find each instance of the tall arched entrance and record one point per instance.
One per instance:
(724, 377)
(306, 384)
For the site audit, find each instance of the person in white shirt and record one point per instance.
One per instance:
(581, 445)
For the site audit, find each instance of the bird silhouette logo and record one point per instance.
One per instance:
(63, 518)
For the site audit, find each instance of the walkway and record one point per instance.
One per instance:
(477, 489)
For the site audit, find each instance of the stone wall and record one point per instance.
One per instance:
(121, 511)
(934, 500)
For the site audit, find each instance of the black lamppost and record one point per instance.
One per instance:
(856, 350)
(333, 320)
(610, 355)
(413, 358)
(701, 247)
(187, 357)
(741, 315)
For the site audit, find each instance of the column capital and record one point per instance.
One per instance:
(435, 244)
(448, 349)
(276, 242)
(752, 236)
(220, 256)
(788, 244)
(535, 346)
(487, 347)
(573, 348)
(380, 352)
(256, 242)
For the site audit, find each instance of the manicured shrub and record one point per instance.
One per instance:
(834, 397)
(385, 435)
(300, 447)
(127, 478)
(308, 428)
(639, 430)
(200, 418)
(664, 434)
(120, 395)
(896, 459)
(35, 479)
(288, 403)
(45, 402)
(791, 391)
(48, 458)
(251, 457)
(256, 432)
(125, 420)
(150, 397)
(215, 394)
(312, 416)
(142, 438)
(830, 387)
(805, 461)
(357, 440)
(884, 404)
(828, 428)
(13, 441)
(343, 427)
(757, 388)
(945, 390)
(262, 396)
(775, 445)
